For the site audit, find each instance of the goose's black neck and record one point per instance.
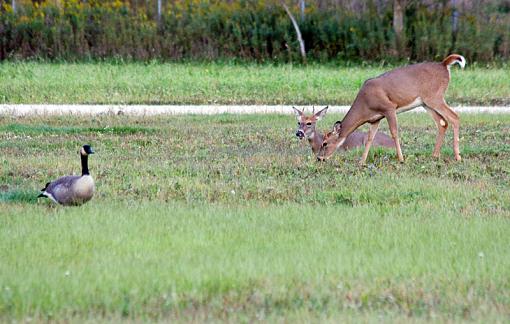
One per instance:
(84, 164)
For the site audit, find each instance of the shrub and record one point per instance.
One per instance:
(245, 29)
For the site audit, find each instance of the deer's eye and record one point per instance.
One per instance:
(324, 144)
(299, 124)
(309, 124)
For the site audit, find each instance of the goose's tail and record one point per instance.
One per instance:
(43, 193)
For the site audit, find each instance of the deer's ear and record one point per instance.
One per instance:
(321, 113)
(337, 127)
(298, 113)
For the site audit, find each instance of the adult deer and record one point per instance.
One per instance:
(306, 129)
(396, 91)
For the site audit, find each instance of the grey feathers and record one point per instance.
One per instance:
(72, 190)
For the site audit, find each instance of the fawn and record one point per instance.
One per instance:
(306, 129)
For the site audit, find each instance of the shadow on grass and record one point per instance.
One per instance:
(19, 196)
(46, 130)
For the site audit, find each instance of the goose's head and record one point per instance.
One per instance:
(86, 150)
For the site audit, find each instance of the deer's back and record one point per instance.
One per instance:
(404, 84)
(357, 139)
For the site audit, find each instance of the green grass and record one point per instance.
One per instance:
(219, 83)
(230, 218)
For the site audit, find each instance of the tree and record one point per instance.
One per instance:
(302, 9)
(159, 10)
(398, 25)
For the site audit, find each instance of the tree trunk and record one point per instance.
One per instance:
(455, 19)
(159, 11)
(302, 9)
(398, 26)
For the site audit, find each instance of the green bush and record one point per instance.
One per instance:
(245, 29)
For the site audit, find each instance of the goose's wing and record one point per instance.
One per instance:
(61, 191)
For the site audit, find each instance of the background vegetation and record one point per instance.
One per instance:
(253, 30)
(222, 83)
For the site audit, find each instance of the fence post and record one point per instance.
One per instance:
(13, 5)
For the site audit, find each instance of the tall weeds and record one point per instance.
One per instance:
(246, 29)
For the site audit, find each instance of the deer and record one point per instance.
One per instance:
(394, 92)
(306, 129)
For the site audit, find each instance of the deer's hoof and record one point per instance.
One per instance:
(458, 158)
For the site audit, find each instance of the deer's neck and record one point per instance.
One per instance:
(316, 141)
(351, 122)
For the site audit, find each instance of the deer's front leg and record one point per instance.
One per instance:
(392, 123)
(370, 138)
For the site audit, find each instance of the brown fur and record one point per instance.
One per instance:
(383, 96)
(354, 140)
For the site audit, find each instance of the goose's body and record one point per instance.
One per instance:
(72, 190)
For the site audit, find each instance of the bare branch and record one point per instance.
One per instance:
(298, 32)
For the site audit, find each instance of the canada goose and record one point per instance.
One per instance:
(72, 190)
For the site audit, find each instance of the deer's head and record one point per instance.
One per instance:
(330, 142)
(306, 124)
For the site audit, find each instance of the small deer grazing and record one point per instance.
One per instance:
(306, 129)
(396, 91)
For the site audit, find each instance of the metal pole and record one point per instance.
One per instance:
(13, 5)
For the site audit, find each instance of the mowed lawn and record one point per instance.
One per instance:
(222, 83)
(229, 217)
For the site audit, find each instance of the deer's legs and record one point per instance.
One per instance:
(442, 126)
(391, 116)
(453, 118)
(370, 138)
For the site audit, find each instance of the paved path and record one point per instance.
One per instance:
(149, 110)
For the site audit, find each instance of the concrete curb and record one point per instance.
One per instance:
(151, 110)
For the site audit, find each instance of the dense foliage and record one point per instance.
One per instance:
(249, 30)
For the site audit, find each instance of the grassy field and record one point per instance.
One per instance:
(216, 83)
(230, 218)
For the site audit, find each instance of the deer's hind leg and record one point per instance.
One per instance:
(442, 126)
(452, 117)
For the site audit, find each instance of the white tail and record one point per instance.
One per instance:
(455, 59)
(397, 91)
